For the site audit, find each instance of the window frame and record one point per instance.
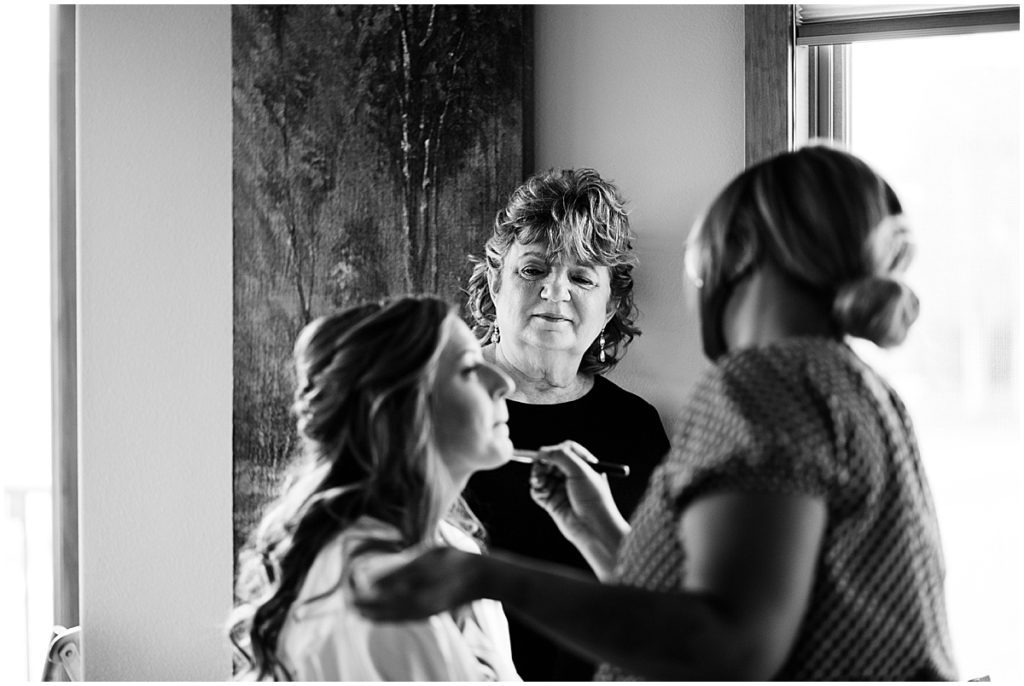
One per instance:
(769, 42)
(797, 72)
(63, 313)
(886, 22)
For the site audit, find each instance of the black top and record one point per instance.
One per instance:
(613, 424)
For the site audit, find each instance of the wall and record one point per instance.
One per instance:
(651, 96)
(154, 295)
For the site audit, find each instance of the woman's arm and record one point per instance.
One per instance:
(749, 572)
(580, 503)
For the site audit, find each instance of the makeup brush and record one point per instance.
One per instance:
(609, 468)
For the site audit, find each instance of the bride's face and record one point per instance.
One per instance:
(469, 412)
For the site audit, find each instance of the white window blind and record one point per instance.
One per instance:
(830, 24)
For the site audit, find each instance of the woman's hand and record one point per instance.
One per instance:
(437, 580)
(580, 503)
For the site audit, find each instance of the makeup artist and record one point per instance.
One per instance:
(552, 297)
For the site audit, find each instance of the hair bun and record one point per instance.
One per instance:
(877, 308)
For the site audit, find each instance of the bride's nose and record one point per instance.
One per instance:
(497, 381)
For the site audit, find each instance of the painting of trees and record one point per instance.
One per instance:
(372, 147)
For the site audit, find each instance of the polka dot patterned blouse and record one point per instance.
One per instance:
(806, 415)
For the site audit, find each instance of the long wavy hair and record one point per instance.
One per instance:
(362, 409)
(828, 221)
(577, 215)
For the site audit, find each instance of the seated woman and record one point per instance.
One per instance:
(396, 409)
(790, 533)
(553, 298)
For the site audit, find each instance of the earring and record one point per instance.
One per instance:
(495, 334)
(600, 347)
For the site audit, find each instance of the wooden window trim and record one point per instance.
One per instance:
(783, 80)
(63, 275)
(769, 41)
(951, 22)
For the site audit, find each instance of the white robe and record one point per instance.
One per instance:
(326, 639)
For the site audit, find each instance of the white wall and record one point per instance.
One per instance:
(651, 96)
(154, 293)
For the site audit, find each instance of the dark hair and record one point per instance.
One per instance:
(828, 221)
(362, 408)
(576, 214)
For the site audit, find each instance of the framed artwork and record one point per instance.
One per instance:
(372, 146)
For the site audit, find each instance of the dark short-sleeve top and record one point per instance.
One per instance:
(612, 423)
(807, 416)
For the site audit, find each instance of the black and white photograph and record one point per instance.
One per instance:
(482, 342)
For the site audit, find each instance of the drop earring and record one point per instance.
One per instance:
(495, 334)
(600, 347)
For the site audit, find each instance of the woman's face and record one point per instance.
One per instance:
(557, 306)
(470, 416)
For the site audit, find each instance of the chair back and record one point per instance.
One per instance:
(64, 656)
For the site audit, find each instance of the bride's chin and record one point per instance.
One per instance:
(503, 456)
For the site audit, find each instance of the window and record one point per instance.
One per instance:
(26, 590)
(938, 116)
(38, 504)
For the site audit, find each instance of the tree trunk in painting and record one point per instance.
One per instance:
(372, 147)
(437, 80)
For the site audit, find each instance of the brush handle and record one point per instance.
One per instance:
(609, 468)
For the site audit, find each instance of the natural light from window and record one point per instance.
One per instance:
(26, 575)
(939, 117)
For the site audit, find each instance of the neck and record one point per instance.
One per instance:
(456, 484)
(459, 485)
(542, 377)
(769, 307)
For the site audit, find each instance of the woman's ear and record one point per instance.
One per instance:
(613, 307)
(492, 282)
